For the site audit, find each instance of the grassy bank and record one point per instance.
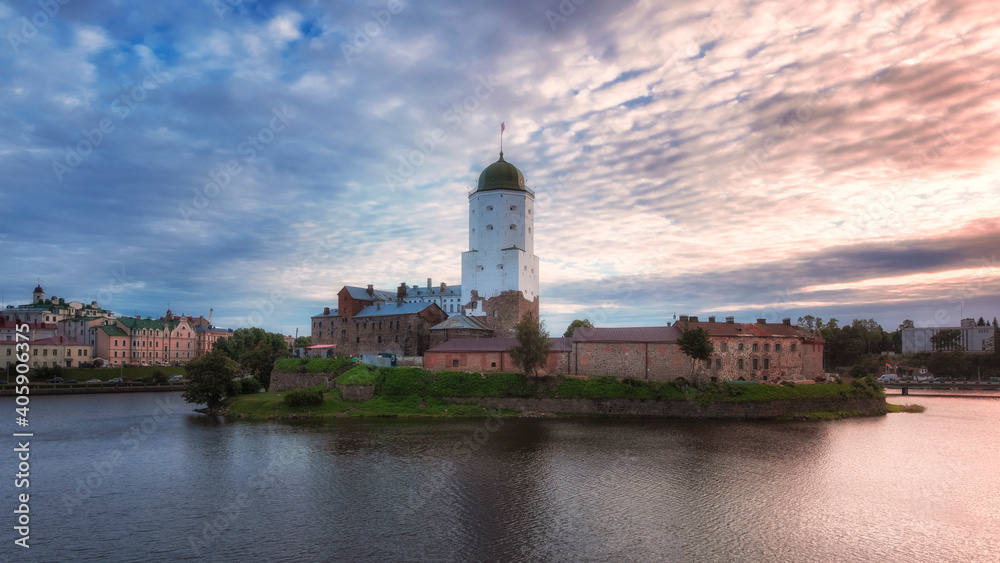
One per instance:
(904, 408)
(410, 391)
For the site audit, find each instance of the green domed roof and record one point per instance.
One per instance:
(501, 175)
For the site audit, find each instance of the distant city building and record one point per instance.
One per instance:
(56, 351)
(973, 338)
(108, 337)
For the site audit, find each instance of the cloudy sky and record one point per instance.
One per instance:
(755, 159)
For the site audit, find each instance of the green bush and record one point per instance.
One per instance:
(248, 386)
(159, 377)
(361, 374)
(305, 397)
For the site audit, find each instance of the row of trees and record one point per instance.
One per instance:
(248, 352)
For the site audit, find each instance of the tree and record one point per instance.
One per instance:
(946, 339)
(254, 351)
(694, 342)
(210, 379)
(907, 323)
(577, 324)
(532, 347)
(981, 322)
(303, 341)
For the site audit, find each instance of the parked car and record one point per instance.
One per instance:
(54, 380)
(889, 378)
(176, 379)
(923, 379)
(116, 380)
(938, 380)
(93, 381)
(136, 380)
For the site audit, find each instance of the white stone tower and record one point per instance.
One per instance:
(500, 270)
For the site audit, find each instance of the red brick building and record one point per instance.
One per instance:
(371, 321)
(490, 354)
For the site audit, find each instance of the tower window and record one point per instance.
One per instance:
(479, 268)
(512, 227)
(513, 208)
(489, 208)
(489, 227)
(499, 266)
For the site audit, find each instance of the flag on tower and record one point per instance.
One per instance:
(503, 126)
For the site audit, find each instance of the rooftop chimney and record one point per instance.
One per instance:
(711, 319)
(444, 287)
(371, 289)
(401, 291)
(429, 284)
(730, 320)
(694, 319)
(786, 321)
(326, 310)
(683, 318)
(762, 321)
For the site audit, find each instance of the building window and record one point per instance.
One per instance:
(493, 364)
(708, 363)
(513, 227)
(725, 347)
(495, 315)
(357, 340)
(793, 346)
(489, 227)
(489, 208)
(755, 363)
(739, 363)
(767, 347)
(380, 339)
(718, 363)
(454, 363)
(767, 363)
(740, 346)
(755, 347)
(513, 208)
(777, 347)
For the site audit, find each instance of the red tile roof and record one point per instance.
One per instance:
(494, 345)
(627, 334)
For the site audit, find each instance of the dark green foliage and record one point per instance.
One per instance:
(404, 382)
(361, 374)
(303, 342)
(248, 385)
(576, 324)
(313, 365)
(210, 379)
(696, 344)
(305, 397)
(867, 386)
(947, 339)
(159, 377)
(254, 351)
(532, 348)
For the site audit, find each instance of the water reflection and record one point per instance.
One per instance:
(909, 487)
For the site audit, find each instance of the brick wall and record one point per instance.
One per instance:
(283, 380)
(776, 358)
(503, 311)
(482, 362)
(658, 361)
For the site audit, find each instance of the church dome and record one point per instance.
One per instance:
(38, 289)
(501, 175)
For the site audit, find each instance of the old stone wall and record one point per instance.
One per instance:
(283, 380)
(764, 358)
(503, 311)
(357, 392)
(682, 409)
(658, 361)
(483, 362)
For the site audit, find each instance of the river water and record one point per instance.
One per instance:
(139, 477)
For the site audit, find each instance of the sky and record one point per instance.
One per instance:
(748, 159)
